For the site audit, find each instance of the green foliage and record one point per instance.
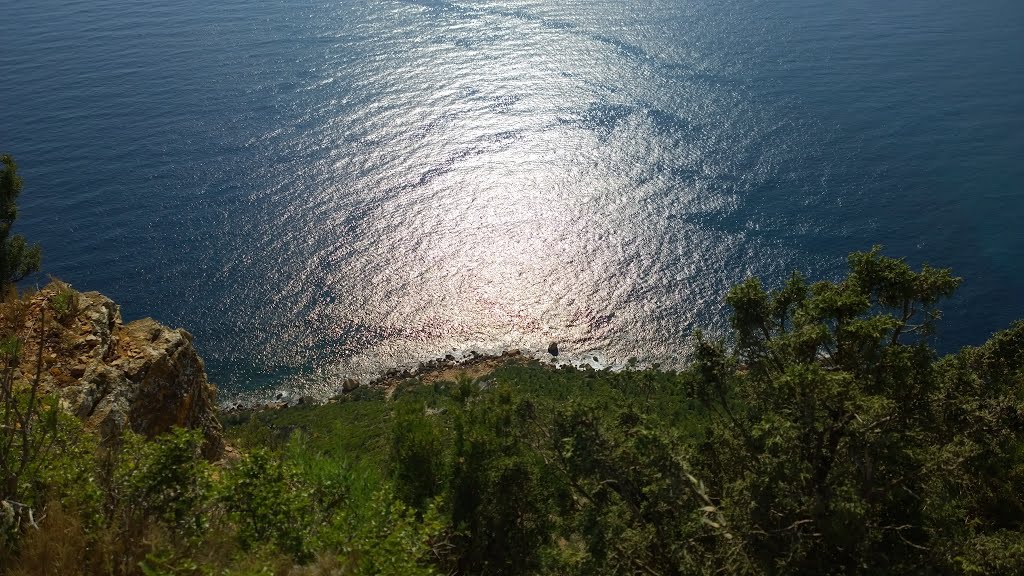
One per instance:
(17, 258)
(354, 428)
(64, 303)
(164, 510)
(634, 502)
(65, 475)
(500, 498)
(312, 507)
(832, 447)
(164, 479)
(975, 466)
(28, 421)
(522, 473)
(823, 437)
(380, 535)
(418, 455)
(266, 502)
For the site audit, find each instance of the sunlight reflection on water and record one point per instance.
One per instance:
(325, 189)
(516, 183)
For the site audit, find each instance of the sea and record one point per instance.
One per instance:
(322, 190)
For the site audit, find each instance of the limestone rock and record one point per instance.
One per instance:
(141, 376)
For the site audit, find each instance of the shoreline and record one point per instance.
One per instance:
(448, 368)
(472, 363)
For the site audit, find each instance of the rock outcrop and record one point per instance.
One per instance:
(141, 376)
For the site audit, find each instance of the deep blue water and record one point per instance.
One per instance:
(317, 189)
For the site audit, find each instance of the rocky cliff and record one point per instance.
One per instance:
(141, 376)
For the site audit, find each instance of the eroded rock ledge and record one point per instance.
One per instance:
(141, 376)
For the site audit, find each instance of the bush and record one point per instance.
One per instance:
(268, 505)
(379, 535)
(28, 421)
(165, 479)
(64, 303)
(419, 455)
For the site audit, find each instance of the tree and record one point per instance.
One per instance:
(842, 445)
(17, 258)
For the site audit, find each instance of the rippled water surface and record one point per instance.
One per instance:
(318, 189)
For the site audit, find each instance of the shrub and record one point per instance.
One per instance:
(268, 505)
(64, 303)
(165, 479)
(379, 535)
(28, 421)
(418, 455)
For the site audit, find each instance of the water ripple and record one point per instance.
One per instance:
(319, 190)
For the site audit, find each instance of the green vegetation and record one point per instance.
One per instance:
(824, 437)
(157, 508)
(17, 258)
(28, 427)
(64, 302)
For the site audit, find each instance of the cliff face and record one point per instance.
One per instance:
(141, 376)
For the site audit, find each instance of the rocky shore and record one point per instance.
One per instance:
(146, 377)
(450, 367)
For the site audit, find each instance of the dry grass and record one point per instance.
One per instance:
(59, 548)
